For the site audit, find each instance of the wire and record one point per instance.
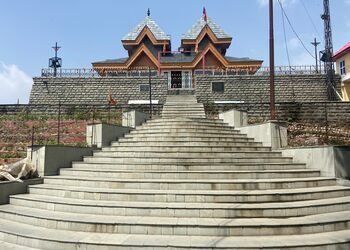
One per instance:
(295, 33)
(285, 40)
(312, 22)
(288, 57)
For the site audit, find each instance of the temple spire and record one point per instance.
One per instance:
(148, 12)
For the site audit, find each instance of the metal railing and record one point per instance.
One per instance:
(263, 71)
(102, 72)
(144, 72)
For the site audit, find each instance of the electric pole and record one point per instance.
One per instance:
(315, 44)
(327, 54)
(272, 65)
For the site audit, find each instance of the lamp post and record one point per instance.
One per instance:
(272, 65)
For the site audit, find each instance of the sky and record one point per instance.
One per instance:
(91, 30)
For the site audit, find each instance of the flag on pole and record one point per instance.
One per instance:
(205, 14)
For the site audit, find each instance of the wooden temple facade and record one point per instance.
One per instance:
(203, 48)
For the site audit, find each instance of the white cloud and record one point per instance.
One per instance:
(284, 2)
(14, 84)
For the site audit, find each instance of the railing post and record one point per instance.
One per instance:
(326, 121)
(59, 122)
(32, 142)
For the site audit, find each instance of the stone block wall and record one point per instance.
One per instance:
(94, 91)
(252, 89)
(295, 88)
(338, 112)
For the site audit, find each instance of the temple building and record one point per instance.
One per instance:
(203, 47)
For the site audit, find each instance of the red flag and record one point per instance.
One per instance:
(110, 99)
(205, 14)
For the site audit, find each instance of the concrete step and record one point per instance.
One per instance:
(179, 209)
(174, 148)
(178, 143)
(192, 104)
(189, 115)
(179, 111)
(179, 114)
(214, 174)
(196, 134)
(179, 120)
(183, 108)
(186, 126)
(317, 223)
(185, 130)
(190, 184)
(194, 143)
(51, 239)
(157, 154)
(186, 160)
(185, 138)
(198, 167)
(191, 196)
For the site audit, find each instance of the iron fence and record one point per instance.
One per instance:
(144, 72)
(262, 71)
(97, 73)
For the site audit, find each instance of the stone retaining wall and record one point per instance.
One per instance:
(295, 88)
(95, 90)
(293, 111)
(307, 112)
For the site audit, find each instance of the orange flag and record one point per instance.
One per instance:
(110, 99)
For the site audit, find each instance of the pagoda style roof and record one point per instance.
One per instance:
(196, 29)
(148, 22)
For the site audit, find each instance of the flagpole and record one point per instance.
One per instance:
(272, 65)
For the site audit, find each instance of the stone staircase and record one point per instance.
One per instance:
(181, 182)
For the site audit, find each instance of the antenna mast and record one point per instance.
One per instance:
(327, 54)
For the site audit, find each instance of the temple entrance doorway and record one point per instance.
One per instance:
(179, 79)
(176, 79)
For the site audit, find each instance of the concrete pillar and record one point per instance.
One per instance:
(134, 118)
(101, 135)
(49, 159)
(272, 133)
(235, 118)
